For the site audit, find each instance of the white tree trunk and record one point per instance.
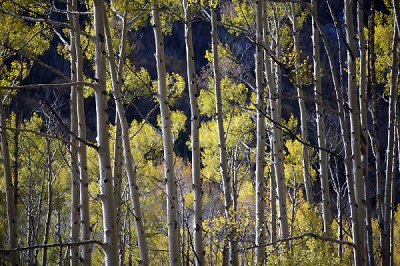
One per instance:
(274, 92)
(75, 191)
(261, 130)
(303, 113)
(390, 152)
(172, 204)
(106, 184)
(195, 141)
(355, 133)
(81, 132)
(11, 212)
(322, 153)
(129, 162)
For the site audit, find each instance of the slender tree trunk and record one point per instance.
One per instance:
(129, 162)
(364, 128)
(261, 130)
(11, 215)
(226, 179)
(274, 92)
(75, 191)
(77, 66)
(387, 205)
(272, 198)
(322, 153)
(106, 186)
(355, 131)
(49, 200)
(375, 125)
(172, 204)
(303, 111)
(117, 173)
(195, 125)
(345, 137)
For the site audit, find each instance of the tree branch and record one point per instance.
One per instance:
(53, 245)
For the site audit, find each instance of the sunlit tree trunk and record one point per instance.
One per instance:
(274, 93)
(355, 130)
(77, 67)
(322, 153)
(390, 152)
(195, 142)
(374, 136)
(260, 159)
(226, 180)
(106, 185)
(172, 204)
(345, 138)
(303, 111)
(5, 159)
(364, 128)
(75, 189)
(129, 162)
(49, 160)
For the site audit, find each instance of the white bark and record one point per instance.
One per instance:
(195, 125)
(11, 214)
(75, 191)
(274, 92)
(172, 204)
(322, 153)
(129, 162)
(106, 186)
(261, 130)
(390, 152)
(355, 133)
(81, 133)
(303, 113)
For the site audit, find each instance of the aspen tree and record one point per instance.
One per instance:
(106, 186)
(322, 153)
(5, 159)
(75, 190)
(169, 173)
(261, 130)
(374, 137)
(129, 162)
(364, 127)
(274, 93)
(303, 111)
(77, 67)
(355, 131)
(195, 142)
(390, 151)
(226, 180)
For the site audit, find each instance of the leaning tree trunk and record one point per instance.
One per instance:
(355, 131)
(303, 112)
(387, 204)
(172, 204)
(5, 159)
(261, 130)
(276, 143)
(106, 186)
(322, 153)
(129, 162)
(195, 141)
